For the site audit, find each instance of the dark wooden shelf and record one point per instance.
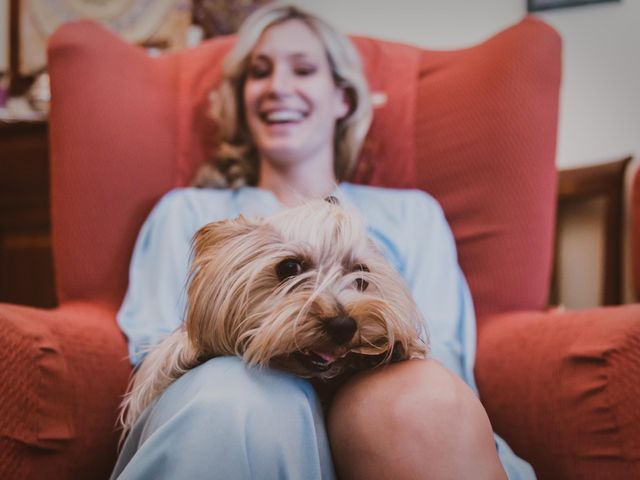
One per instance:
(26, 265)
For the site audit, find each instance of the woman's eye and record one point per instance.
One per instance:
(361, 283)
(304, 70)
(288, 268)
(259, 70)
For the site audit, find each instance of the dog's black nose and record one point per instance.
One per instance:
(340, 329)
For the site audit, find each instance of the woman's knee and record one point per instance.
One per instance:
(401, 394)
(414, 410)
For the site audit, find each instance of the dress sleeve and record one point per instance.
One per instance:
(438, 285)
(155, 300)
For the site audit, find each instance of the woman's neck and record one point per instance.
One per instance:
(295, 184)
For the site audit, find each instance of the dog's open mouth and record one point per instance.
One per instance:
(321, 360)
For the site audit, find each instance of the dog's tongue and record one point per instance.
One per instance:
(331, 357)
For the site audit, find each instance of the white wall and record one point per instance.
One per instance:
(600, 100)
(4, 35)
(429, 23)
(600, 114)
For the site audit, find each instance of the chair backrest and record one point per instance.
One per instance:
(474, 127)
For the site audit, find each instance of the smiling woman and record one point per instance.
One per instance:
(236, 161)
(291, 107)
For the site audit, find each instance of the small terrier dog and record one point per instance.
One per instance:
(304, 291)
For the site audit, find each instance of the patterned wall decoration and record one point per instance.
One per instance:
(138, 21)
(222, 17)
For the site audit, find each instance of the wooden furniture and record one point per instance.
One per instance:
(26, 268)
(606, 181)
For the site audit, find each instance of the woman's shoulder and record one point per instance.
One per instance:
(397, 219)
(398, 213)
(395, 200)
(191, 206)
(185, 197)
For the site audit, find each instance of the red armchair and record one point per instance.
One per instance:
(474, 127)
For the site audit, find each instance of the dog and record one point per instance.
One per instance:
(304, 290)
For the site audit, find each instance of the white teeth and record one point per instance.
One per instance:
(284, 116)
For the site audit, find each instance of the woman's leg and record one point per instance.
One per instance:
(224, 420)
(411, 420)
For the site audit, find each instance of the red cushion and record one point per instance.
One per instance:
(476, 128)
(486, 142)
(65, 373)
(569, 401)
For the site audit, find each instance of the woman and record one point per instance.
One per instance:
(294, 109)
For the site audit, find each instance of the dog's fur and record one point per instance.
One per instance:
(304, 290)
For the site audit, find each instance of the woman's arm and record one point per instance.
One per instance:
(154, 303)
(431, 270)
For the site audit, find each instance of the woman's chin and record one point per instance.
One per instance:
(289, 152)
(282, 156)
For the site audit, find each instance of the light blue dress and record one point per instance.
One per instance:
(223, 420)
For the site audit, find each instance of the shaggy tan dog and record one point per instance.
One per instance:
(304, 290)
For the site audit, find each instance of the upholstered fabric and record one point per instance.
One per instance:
(63, 375)
(475, 127)
(498, 184)
(572, 404)
(483, 143)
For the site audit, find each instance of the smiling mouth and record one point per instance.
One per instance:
(282, 116)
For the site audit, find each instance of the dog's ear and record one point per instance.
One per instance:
(221, 253)
(215, 233)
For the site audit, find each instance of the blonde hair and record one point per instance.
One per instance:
(235, 162)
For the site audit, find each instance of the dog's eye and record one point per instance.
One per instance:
(361, 283)
(291, 267)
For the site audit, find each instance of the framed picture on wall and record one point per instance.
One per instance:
(538, 5)
(137, 21)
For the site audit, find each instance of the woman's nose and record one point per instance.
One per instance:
(280, 81)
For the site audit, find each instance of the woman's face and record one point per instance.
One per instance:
(291, 101)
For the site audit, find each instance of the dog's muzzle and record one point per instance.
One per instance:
(340, 329)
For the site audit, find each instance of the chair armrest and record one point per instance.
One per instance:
(62, 376)
(564, 389)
